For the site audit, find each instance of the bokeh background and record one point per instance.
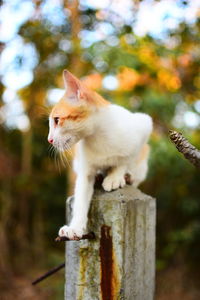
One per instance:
(143, 55)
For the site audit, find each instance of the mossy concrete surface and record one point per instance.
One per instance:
(120, 262)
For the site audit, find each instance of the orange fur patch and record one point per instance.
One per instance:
(92, 97)
(63, 110)
(96, 99)
(143, 153)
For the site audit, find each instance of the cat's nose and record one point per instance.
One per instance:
(50, 141)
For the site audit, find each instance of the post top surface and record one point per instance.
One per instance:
(126, 194)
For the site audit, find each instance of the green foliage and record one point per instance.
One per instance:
(174, 182)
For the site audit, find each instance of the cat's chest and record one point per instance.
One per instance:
(103, 157)
(102, 151)
(102, 162)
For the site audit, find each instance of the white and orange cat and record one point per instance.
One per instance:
(108, 137)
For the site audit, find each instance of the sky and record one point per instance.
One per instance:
(154, 18)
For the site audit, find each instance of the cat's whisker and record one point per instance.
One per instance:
(51, 150)
(67, 150)
(61, 158)
(67, 161)
(57, 161)
(64, 157)
(70, 151)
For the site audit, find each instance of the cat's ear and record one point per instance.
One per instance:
(72, 85)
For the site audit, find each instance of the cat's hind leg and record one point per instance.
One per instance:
(115, 179)
(139, 172)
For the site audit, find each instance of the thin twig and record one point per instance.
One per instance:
(49, 273)
(88, 236)
(188, 150)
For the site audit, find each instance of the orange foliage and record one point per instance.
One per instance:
(144, 79)
(184, 60)
(169, 80)
(190, 98)
(128, 79)
(197, 81)
(93, 81)
(148, 56)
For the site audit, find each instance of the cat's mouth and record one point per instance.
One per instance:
(63, 146)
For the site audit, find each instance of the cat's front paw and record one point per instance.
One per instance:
(113, 182)
(71, 232)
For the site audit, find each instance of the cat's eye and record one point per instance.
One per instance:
(56, 120)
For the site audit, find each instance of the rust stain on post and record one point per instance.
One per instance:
(83, 254)
(109, 269)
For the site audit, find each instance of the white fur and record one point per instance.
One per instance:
(112, 137)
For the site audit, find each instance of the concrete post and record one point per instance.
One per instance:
(120, 262)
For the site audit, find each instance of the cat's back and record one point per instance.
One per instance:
(123, 116)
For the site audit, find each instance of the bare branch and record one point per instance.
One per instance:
(188, 150)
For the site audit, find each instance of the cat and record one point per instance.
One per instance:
(107, 137)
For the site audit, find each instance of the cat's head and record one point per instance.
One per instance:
(71, 118)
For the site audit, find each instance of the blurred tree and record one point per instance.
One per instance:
(159, 76)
